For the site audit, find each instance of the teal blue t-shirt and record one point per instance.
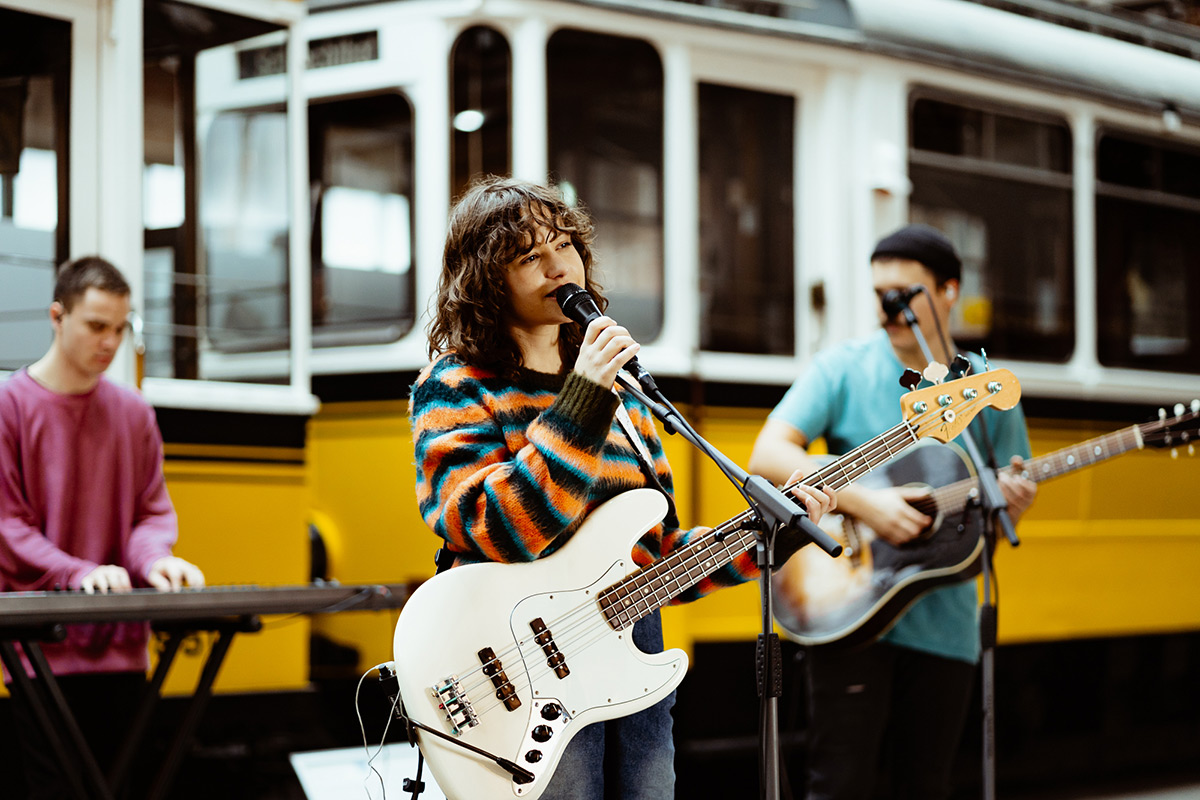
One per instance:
(851, 393)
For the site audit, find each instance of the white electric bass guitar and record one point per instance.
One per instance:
(499, 665)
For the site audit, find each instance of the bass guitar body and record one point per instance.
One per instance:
(514, 659)
(855, 597)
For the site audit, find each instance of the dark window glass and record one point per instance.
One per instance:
(746, 222)
(606, 147)
(35, 79)
(994, 182)
(1147, 262)
(1137, 164)
(168, 339)
(481, 103)
(987, 134)
(362, 172)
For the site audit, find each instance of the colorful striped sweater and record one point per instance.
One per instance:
(507, 470)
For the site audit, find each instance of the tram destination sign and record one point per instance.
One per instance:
(352, 48)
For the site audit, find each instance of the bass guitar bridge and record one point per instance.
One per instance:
(451, 699)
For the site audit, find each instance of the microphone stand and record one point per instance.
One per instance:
(772, 511)
(994, 513)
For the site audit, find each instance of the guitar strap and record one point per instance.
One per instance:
(632, 435)
(643, 453)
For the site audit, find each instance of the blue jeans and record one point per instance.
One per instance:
(629, 758)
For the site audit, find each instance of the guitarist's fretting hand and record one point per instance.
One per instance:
(1017, 490)
(817, 502)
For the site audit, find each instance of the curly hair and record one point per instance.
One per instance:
(495, 221)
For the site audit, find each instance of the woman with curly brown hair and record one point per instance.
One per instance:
(519, 437)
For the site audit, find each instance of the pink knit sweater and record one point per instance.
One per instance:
(81, 484)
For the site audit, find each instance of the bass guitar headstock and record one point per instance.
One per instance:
(1173, 432)
(944, 410)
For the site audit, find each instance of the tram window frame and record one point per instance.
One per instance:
(626, 204)
(384, 328)
(1140, 327)
(275, 380)
(986, 201)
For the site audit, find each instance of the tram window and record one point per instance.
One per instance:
(605, 119)
(989, 135)
(362, 169)
(35, 68)
(997, 182)
(481, 101)
(746, 220)
(244, 225)
(1147, 240)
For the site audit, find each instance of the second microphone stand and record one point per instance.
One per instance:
(771, 512)
(994, 511)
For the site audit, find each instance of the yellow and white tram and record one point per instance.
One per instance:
(277, 183)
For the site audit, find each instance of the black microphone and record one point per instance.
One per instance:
(578, 304)
(896, 300)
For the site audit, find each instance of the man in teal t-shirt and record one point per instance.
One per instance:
(897, 706)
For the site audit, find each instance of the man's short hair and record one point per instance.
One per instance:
(89, 272)
(925, 244)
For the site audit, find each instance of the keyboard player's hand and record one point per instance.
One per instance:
(171, 573)
(106, 578)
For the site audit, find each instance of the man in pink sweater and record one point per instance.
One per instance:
(83, 502)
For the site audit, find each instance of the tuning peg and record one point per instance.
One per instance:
(910, 378)
(1162, 413)
(959, 367)
(935, 372)
(1179, 409)
(1196, 406)
(1174, 452)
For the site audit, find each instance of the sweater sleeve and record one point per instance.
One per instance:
(487, 501)
(28, 560)
(155, 526)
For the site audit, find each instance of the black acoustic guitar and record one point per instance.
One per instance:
(855, 597)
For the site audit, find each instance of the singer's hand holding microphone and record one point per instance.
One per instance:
(607, 346)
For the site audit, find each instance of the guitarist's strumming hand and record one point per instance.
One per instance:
(888, 512)
(1019, 491)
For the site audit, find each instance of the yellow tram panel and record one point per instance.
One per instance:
(244, 524)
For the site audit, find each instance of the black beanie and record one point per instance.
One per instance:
(925, 244)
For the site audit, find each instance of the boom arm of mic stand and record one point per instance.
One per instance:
(771, 503)
(991, 498)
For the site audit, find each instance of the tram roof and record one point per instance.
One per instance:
(1100, 51)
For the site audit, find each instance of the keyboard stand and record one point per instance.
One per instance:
(75, 757)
